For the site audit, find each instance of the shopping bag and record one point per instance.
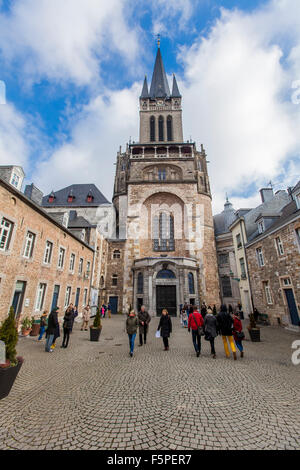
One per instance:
(157, 334)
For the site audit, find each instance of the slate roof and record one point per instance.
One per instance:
(223, 220)
(288, 213)
(175, 89)
(145, 91)
(159, 85)
(80, 192)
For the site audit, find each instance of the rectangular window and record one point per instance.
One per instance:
(239, 241)
(268, 293)
(260, 257)
(223, 258)
(68, 297)
(162, 174)
(72, 262)
(261, 227)
(6, 230)
(88, 268)
(298, 237)
(226, 286)
(29, 245)
(48, 252)
(61, 258)
(85, 296)
(80, 267)
(279, 246)
(243, 268)
(15, 180)
(40, 297)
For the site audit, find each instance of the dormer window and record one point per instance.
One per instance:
(71, 197)
(261, 226)
(90, 197)
(51, 197)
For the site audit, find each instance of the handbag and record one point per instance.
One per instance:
(240, 335)
(199, 328)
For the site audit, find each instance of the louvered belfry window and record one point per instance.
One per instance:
(152, 129)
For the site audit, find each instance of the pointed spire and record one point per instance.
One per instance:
(145, 92)
(159, 85)
(175, 89)
(227, 205)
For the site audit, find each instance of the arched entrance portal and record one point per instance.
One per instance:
(166, 293)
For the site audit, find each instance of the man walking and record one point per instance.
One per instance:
(195, 323)
(144, 320)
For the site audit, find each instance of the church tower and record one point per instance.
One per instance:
(165, 234)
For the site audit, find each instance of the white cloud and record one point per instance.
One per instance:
(166, 11)
(233, 90)
(89, 157)
(14, 143)
(65, 40)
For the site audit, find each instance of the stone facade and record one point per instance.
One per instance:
(163, 210)
(21, 277)
(276, 284)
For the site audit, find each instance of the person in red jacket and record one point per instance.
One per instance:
(238, 328)
(196, 321)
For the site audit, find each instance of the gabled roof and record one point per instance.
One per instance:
(159, 85)
(80, 193)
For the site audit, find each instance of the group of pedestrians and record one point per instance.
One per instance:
(206, 324)
(49, 326)
(105, 308)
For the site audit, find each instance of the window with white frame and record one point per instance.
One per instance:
(61, 257)
(297, 198)
(260, 257)
(6, 230)
(261, 226)
(68, 297)
(243, 268)
(72, 262)
(29, 245)
(279, 246)
(117, 254)
(297, 231)
(286, 281)
(15, 180)
(40, 297)
(223, 258)
(88, 268)
(85, 296)
(80, 266)
(48, 252)
(268, 293)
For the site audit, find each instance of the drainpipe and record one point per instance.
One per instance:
(251, 298)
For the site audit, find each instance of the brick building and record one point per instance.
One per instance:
(162, 198)
(274, 263)
(42, 263)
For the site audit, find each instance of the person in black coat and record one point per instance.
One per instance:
(67, 326)
(165, 327)
(53, 325)
(225, 326)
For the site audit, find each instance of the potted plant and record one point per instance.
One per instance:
(254, 330)
(96, 328)
(9, 370)
(26, 326)
(35, 327)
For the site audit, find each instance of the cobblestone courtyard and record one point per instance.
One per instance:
(94, 396)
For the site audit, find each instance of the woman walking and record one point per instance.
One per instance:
(43, 324)
(238, 333)
(132, 324)
(67, 327)
(225, 324)
(86, 314)
(211, 330)
(165, 327)
(53, 328)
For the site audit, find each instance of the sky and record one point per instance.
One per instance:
(73, 71)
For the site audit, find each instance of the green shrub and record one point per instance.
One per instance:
(97, 320)
(9, 334)
(26, 323)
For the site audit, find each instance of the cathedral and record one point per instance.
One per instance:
(164, 253)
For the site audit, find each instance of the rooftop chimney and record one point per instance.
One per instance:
(266, 194)
(33, 193)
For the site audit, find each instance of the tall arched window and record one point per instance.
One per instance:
(191, 283)
(152, 129)
(169, 128)
(161, 129)
(140, 283)
(163, 232)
